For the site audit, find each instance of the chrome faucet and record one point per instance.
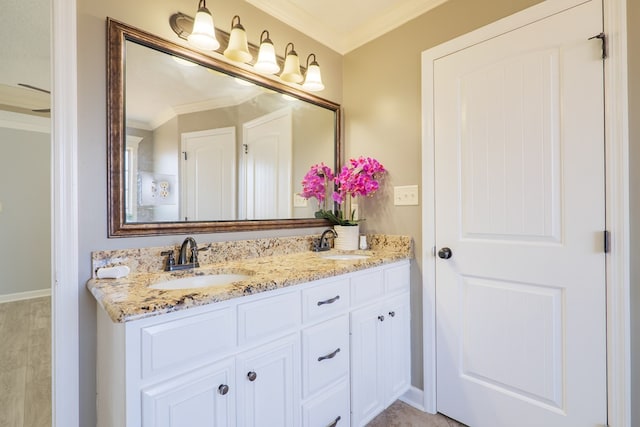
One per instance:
(193, 259)
(186, 260)
(322, 244)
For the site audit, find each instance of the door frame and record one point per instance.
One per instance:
(65, 340)
(616, 200)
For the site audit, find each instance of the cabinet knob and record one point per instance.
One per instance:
(252, 376)
(223, 389)
(381, 318)
(392, 313)
(335, 422)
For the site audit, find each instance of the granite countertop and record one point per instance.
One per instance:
(131, 298)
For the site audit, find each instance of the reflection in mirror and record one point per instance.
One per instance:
(199, 149)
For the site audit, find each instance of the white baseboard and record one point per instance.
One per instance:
(414, 397)
(25, 295)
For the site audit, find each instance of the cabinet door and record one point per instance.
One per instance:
(397, 347)
(367, 364)
(268, 379)
(203, 398)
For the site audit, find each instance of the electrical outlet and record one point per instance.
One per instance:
(405, 195)
(299, 201)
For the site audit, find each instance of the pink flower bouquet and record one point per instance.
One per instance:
(360, 177)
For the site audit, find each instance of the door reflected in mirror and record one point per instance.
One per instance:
(205, 146)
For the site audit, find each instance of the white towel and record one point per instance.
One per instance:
(113, 272)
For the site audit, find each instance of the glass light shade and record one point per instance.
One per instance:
(266, 62)
(313, 79)
(291, 72)
(238, 49)
(203, 35)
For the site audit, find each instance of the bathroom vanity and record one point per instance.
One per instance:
(305, 340)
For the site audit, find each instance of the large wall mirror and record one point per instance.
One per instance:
(199, 145)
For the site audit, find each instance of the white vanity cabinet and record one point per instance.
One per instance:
(380, 344)
(309, 355)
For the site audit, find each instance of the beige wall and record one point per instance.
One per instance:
(382, 110)
(633, 36)
(152, 16)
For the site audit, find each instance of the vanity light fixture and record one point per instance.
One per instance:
(266, 62)
(313, 78)
(291, 72)
(203, 35)
(238, 48)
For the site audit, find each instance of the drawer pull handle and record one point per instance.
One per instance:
(223, 389)
(252, 376)
(392, 313)
(381, 318)
(329, 301)
(335, 422)
(330, 355)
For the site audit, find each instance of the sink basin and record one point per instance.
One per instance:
(203, 281)
(344, 257)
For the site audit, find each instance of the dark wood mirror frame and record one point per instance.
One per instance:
(117, 34)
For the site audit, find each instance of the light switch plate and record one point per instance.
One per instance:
(299, 201)
(406, 195)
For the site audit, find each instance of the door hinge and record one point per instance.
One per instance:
(607, 241)
(603, 39)
(246, 148)
(185, 155)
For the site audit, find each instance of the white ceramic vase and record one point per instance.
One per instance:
(348, 237)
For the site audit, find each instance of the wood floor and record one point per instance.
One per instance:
(25, 363)
(402, 415)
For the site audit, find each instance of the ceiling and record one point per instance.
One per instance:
(345, 25)
(25, 32)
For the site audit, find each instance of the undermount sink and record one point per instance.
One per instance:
(204, 281)
(344, 257)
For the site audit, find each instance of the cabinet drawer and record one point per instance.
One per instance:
(328, 409)
(325, 354)
(325, 300)
(176, 343)
(366, 286)
(396, 279)
(260, 319)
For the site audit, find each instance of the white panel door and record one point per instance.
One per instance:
(208, 175)
(267, 162)
(519, 176)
